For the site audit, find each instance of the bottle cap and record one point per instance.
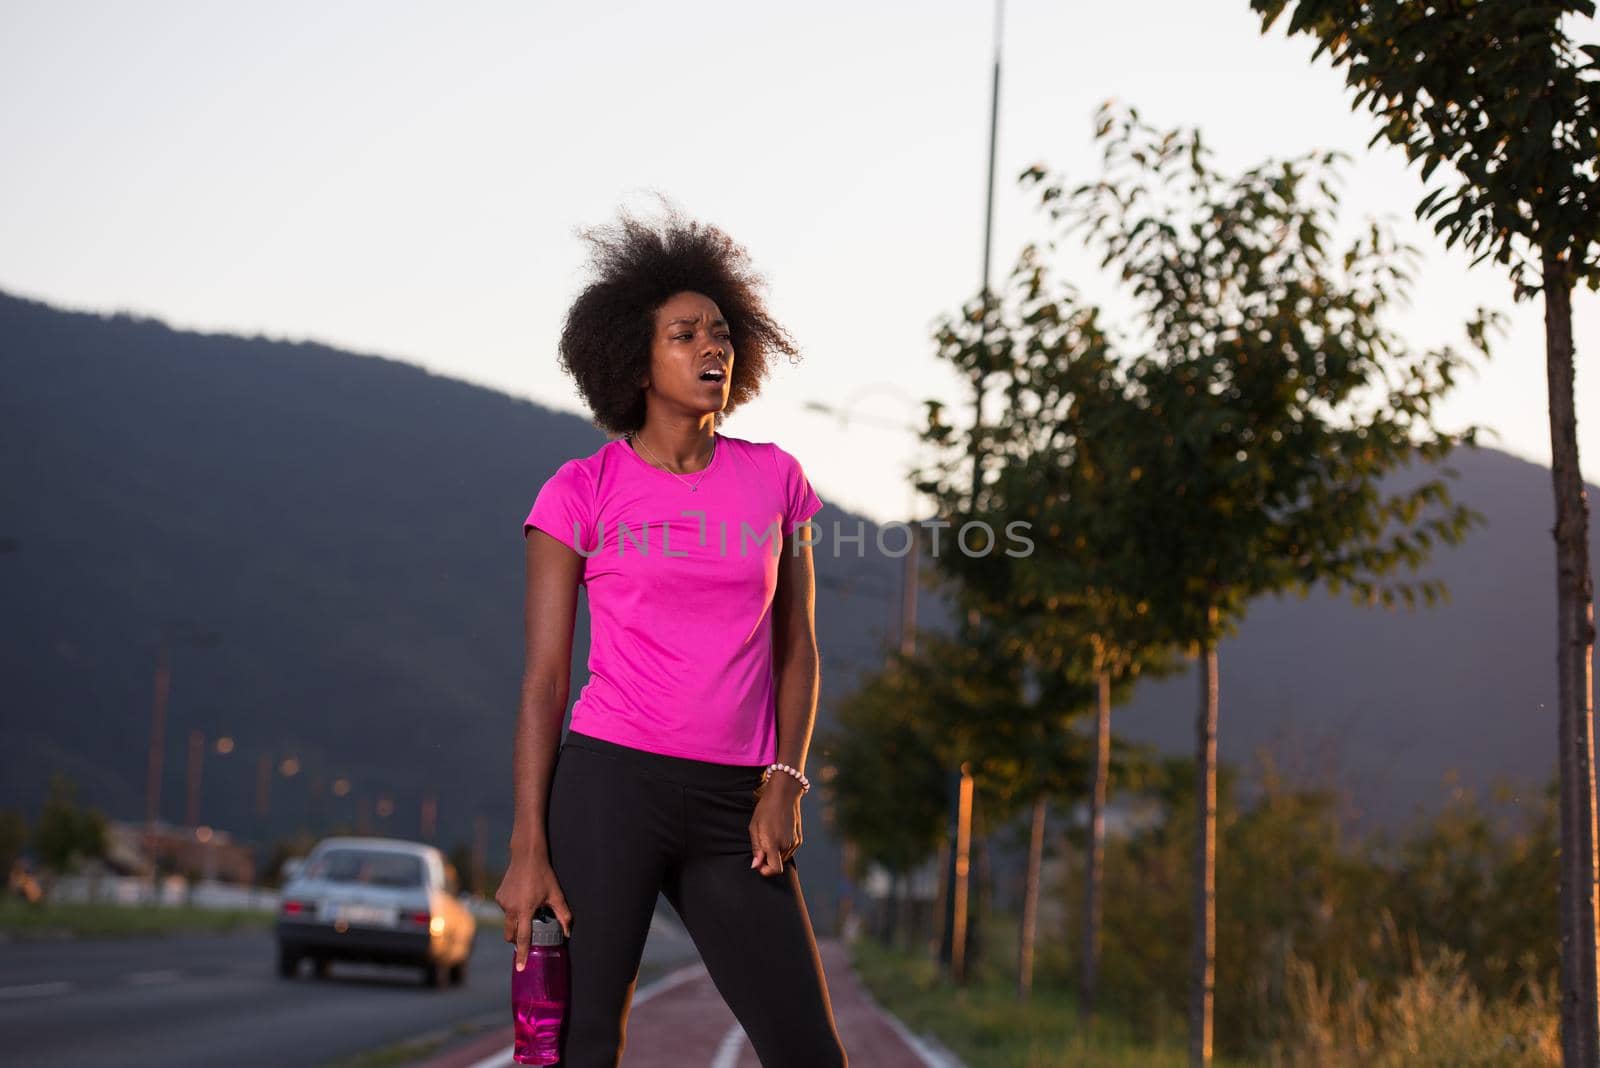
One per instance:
(543, 932)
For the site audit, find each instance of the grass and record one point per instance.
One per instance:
(410, 1051)
(22, 920)
(395, 1056)
(1435, 1019)
(987, 1027)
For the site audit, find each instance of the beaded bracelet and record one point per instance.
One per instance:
(805, 783)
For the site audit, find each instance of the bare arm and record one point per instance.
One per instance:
(549, 611)
(797, 674)
(797, 665)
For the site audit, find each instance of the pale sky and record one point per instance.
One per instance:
(406, 179)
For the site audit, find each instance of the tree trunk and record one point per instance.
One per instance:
(897, 899)
(940, 914)
(908, 914)
(851, 890)
(1203, 960)
(1580, 996)
(1093, 878)
(963, 848)
(954, 895)
(891, 911)
(982, 894)
(1030, 901)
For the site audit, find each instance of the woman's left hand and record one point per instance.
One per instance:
(775, 828)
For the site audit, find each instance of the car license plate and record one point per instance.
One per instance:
(368, 915)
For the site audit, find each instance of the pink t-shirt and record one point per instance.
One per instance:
(680, 588)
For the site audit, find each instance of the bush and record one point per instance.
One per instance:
(1436, 1018)
(1307, 911)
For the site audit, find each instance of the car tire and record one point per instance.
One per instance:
(288, 962)
(435, 975)
(458, 973)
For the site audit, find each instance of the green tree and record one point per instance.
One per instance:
(1016, 728)
(1484, 886)
(67, 833)
(1148, 877)
(1498, 94)
(13, 838)
(1272, 398)
(460, 856)
(296, 846)
(1050, 473)
(1305, 906)
(956, 699)
(888, 786)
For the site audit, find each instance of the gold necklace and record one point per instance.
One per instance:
(694, 487)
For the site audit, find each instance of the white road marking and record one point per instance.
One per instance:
(929, 1051)
(731, 1046)
(670, 981)
(36, 990)
(494, 1060)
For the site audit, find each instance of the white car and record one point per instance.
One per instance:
(382, 900)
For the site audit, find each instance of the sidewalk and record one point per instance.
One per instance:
(680, 1021)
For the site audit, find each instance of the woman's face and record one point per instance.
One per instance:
(690, 339)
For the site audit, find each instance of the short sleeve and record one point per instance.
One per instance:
(562, 508)
(800, 500)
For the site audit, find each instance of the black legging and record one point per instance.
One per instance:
(625, 824)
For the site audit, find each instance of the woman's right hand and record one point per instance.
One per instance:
(530, 882)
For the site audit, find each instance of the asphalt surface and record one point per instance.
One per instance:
(205, 1000)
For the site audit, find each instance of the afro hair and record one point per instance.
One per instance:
(605, 340)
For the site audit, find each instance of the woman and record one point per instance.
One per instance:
(683, 770)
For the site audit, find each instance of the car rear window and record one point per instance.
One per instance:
(371, 867)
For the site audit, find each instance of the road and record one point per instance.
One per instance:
(205, 1000)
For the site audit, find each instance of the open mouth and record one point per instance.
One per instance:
(713, 375)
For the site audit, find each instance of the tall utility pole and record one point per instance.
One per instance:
(428, 824)
(158, 729)
(908, 597)
(169, 634)
(953, 947)
(317, 790)
(197, 754)
(480, 850)
(263, 790)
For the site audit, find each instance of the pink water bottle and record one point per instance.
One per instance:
(539, 994)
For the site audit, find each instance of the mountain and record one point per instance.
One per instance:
(350, 526)
(1398, 707)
